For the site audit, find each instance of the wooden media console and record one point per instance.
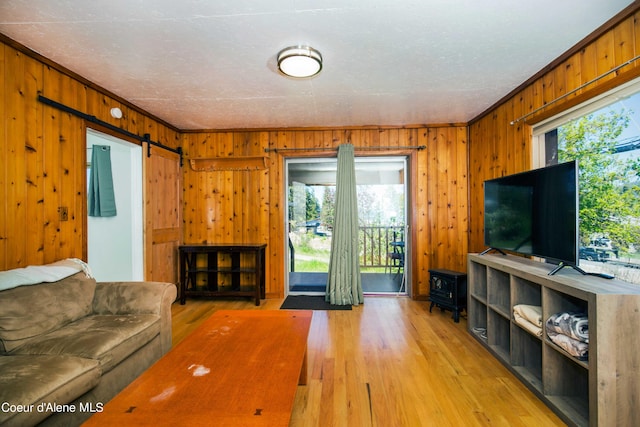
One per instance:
(600, 391)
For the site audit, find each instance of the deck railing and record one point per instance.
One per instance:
(375, 245)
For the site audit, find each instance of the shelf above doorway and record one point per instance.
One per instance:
(246, 163)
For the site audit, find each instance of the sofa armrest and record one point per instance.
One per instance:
(138, 298)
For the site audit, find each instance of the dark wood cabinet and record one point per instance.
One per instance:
(448, 290)
(222, 270)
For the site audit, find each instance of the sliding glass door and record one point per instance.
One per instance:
(381, 189)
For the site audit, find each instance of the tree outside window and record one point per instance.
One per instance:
(608, 154)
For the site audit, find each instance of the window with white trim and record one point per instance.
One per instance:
(604, 135)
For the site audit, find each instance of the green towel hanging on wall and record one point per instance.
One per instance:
(102, 200)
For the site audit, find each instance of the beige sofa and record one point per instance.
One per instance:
(68, 346)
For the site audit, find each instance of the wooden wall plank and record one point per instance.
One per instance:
(34, 206)
(624, 41)
(15, 100)
(4, 156)
(71, 156)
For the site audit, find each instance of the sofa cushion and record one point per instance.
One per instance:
(30, 380)
(108, 339)
(28, 311)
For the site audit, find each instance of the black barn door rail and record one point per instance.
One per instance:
(93, 119)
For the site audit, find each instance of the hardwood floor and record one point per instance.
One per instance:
(389, 362)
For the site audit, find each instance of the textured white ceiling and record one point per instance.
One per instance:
(205, 64)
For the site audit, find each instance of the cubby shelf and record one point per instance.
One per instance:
(212, 270)
(602, 391)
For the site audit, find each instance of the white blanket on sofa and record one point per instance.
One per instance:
(35, 274)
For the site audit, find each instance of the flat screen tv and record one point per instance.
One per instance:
(534, 213)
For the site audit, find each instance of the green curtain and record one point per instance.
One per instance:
(344, 284)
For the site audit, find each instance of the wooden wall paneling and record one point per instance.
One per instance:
(503, 148)
(50, 169)
(71, 151)
(559, 81)
(358, 138)
(99, 105)
(324, 139)
(43, 166)
(210, 186)
(536, 95)
(251, 205)
(63, 168)
(572, 73)
(417, 206)
(4, 156)
(215, 202)
(297, 139)
(339, 137)
(423, 208)
(308, 139)
(200, 213)
(263, 192)
(132, 121)
(16, 168)
(589, 63)
(190, 201)
(207, 214)
(330, 140)
(59, 146)
(474, 220)
(33, 152)
(276, 247)
(240, 228)
(521, 150)
(80, 219)
(278, 218)
(434, 185)
(605, 55)
(373, 138)
(224, 231)
(480, 166)
(635, 40)
(449, 202)
(508, 133)
(623, 41)
(460, 229)
(384, 138)
(151, 127)
(225, 198)
(441, 247)
(548, 88)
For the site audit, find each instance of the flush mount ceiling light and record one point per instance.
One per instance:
(299, 61)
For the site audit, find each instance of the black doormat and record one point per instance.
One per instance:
(307, 302)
